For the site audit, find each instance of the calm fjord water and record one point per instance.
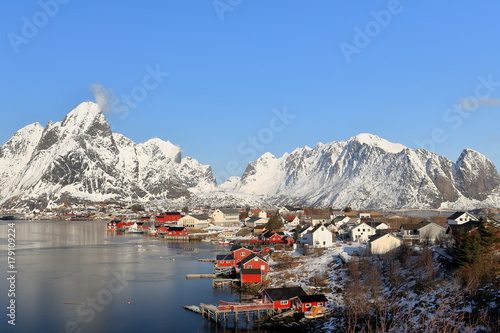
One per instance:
(75, 277)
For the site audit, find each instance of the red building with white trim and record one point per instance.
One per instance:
(250, 276)
(282, 298)
(304, 303)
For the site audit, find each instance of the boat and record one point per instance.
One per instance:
(224, 242)
(314, 312)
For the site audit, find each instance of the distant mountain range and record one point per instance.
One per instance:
(81, 159)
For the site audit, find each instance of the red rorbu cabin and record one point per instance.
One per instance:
(254, 261)
(225, 260)
(282, 298)
(177, 231)
(240, 252)
(304, 303)
(168, 217)
(250, 276)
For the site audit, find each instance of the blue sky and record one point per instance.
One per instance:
(246, 77)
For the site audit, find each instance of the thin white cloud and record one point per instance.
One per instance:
(470, 104)
(103, 97)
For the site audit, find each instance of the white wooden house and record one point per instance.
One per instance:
(460, 218)
(383, 243)
(225, 217)
(194, 221)
(318, 236)
(361, 232)
(421, 232)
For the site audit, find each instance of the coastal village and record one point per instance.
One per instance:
(297, 264)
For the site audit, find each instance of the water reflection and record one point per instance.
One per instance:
(68, 281)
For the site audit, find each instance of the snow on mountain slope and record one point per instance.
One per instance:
(80, 158)
(230, 183)
(369, 172)
(16, 153)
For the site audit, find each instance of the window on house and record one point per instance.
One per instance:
(284, 302)
(308, 305)
(320, 303)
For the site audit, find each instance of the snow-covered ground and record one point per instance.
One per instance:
(411, 295)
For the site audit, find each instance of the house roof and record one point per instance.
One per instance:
(200, 217)
(224, 257)
(313, 298)
(464, 226)
(229, 211)
(236, 247)
(176, 228)
(253, 271)
(254, 219)
(321, 217)
(376, 237)
(285, 293)
(413, 226)
(455, 215)
(251, 257)
(290, 218)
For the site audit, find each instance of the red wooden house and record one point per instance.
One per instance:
(168, 217)
(250, 276)
(304, 303)
(255, 261)
(240, 252)
(225, 260)
(282, 298)
(177, 231)
(272, 236)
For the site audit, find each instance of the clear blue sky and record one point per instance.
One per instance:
(400, 70)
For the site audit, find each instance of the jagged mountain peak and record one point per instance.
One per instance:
(83, 115)
(80, 158)
(367, 171)
(166, 148)
(376, 141)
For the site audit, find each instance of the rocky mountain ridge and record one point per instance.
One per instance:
(81, 159)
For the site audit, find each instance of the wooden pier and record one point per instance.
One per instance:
(224, 310)
(221, 283)
(206, 260)
(177, 238)
(200, 276)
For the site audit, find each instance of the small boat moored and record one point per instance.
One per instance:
(314, 312)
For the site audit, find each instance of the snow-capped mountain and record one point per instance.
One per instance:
(369, 172)
(80, 158)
